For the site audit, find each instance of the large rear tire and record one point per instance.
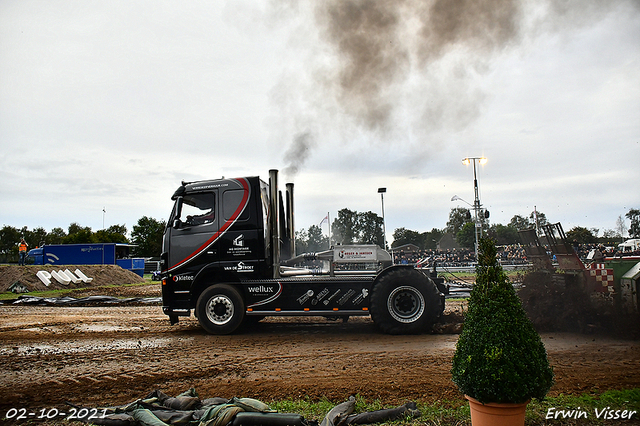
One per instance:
(220, 309)
(405, 301)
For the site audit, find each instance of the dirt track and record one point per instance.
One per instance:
(97, 356)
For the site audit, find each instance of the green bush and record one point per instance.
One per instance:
(499, 356)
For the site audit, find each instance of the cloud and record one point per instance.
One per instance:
(113, 105)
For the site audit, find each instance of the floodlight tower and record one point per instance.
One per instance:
(382, 191)
(477, 207)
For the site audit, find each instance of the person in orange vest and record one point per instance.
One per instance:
(22, 251)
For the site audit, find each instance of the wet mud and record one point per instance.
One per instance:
(105, 356)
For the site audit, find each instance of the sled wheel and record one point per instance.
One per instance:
(220, 309)
(405, 301)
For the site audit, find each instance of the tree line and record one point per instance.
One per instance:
(146, 237)
(350, 227)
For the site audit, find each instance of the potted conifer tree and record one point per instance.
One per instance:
(500, 361)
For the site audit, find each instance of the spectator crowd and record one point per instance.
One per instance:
(513, 254)
(508, 255)
(587, 252)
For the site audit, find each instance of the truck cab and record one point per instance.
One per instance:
(216, 232)
(35, 256)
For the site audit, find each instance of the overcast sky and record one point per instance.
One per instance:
(109, 105)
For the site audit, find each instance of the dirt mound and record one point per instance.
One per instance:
(102, 275)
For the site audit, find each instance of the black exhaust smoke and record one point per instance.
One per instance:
(401, 70)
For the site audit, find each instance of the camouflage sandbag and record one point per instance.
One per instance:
(251, 405)
(128, 408)
(214, 401)
(145, 417)
(191, 392)
(121, 419)
(18, 287)
(208, 404)
(174, 417)
(156, 396)
(183, 403)
(219, 415)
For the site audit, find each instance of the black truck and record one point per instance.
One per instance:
(229, 255)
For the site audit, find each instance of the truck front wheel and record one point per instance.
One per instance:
(405, 301)
(220, 309)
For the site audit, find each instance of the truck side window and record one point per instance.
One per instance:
(198, 209)
(231, 199)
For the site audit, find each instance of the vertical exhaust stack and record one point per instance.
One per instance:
(290, 228)
(273, 222)
(282, 228)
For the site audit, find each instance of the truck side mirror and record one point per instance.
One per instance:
(177, 223)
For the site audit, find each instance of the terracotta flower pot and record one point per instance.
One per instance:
(492, 414)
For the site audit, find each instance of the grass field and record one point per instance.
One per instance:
(584, 409)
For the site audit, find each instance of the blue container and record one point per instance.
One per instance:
(86, 254)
